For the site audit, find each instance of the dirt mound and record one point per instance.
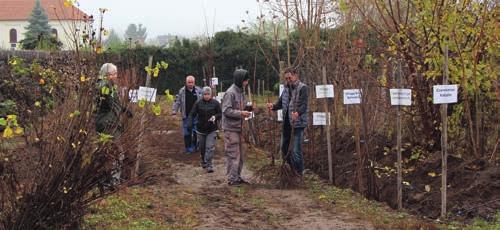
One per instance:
(471, 185)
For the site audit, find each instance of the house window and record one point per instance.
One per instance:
(54, 33)
(13, 36)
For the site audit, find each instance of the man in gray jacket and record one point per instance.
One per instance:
(232, 122)
(293, 102)
(184, 102)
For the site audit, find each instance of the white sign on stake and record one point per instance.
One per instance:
(400, 96)
(324, 91)
(280, 115)
(282, 87)
(132, 95)
(146, 93)
(445, 94)
(352, 96)
(215, 81)
(319, 118)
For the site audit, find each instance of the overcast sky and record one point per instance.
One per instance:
(176, 17)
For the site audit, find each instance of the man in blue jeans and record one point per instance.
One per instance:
(184, 102)
(293, 102)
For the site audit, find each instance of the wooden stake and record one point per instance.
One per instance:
(444, 139)
(143, 120)
(398, 127)
(214, 87)
(328, 138)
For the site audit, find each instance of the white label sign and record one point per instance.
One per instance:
(400, 96)
(282, 87)
(215, 81)
(352, 96)
(324, 91)
(148, 94)
(221, 94)
(444, 94)
(250, 117)
(132, 95)
(320, 118)
(280, 115)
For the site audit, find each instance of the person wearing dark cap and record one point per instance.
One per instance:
(208, 112)
(233, 115)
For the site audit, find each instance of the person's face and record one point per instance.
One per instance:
(207, 96)
(288, 78)
(113, 76)
(245, 83)
(190, 83)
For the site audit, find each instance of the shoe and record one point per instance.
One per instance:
(210, 170)
(234, 183)
(241, 181)
(189, 150)
(203, 165)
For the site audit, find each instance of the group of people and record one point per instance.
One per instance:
(202, 116)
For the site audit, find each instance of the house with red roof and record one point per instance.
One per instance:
(65, 20)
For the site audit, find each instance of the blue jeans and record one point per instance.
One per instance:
(295, 158)
(189, 135)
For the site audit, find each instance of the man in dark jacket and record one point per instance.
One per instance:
(184, 102)
(293, 102)
(232, 122)
(208, 112)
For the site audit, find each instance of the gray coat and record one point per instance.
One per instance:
(180, 100)
(297, 103)
(232, 105)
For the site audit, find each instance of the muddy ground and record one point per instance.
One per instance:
(257, 206)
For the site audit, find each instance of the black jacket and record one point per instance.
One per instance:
(204, 110)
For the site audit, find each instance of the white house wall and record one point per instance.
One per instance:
(63, 29)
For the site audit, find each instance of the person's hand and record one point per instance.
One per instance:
(295, 116)
(245, 114)
(270, 105)
(212, 119)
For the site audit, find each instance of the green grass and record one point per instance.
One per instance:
(143, 208)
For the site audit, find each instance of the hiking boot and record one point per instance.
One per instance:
(241, 181)
(210, 170)
(189, 150)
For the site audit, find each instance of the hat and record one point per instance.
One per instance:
(207, 89)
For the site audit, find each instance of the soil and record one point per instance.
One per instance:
(254, 206)
(472, 185)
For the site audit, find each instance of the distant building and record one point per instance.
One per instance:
(164, 41)
(14, 16)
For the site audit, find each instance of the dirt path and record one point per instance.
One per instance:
(255, 206)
